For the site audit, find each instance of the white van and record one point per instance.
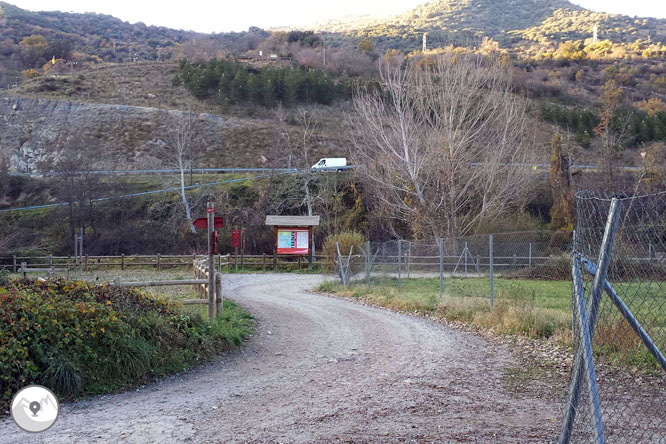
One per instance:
(330, 164)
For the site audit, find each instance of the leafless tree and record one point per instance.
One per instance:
(613, 130)
(178, 150)
(299, 150)
(443, 144)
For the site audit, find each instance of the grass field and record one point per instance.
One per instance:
(533, 308)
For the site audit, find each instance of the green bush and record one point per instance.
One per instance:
(77, 338)
(346, 240)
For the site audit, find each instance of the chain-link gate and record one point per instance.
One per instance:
(617, 391)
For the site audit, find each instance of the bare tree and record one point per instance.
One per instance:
(443, 144)
(178, 150)
(613, 130)
(298, 149)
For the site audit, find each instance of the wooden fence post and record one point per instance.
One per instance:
(218, 294)
(159, 265)
(122, 261)
(24, 265)
(14, 263)
(50, 261)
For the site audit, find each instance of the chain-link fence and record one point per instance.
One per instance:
(530, 255)
(617, 391)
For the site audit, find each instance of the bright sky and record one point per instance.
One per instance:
(221, 16)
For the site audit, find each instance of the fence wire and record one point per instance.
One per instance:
(517, 258)
(625, 325)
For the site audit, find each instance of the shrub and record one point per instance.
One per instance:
(346, 240)
(79, 338)
(555, 268)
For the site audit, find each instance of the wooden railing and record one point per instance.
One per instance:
(264, 262)
(201, 282)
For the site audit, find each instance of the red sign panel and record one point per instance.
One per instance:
(202, 222)
(235, 239)
(293, 241)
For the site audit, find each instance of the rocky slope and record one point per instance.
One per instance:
(34, 131)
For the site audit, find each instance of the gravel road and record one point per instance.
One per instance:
(321, 369)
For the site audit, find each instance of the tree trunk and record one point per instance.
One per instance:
(188, 212)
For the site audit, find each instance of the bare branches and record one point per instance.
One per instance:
(441, 141)
(179, 149)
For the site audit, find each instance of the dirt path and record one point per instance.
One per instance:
(321, 369)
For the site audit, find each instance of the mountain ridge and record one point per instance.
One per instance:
(510, 22)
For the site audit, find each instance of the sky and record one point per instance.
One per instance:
(225, 15)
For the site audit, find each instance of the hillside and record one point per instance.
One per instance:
(118, 112)
(29, 40)
(509, 22)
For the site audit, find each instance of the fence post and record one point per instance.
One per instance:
(492, 271)
(529, 262)
(399, 265)
(466, 251)
(210, 212)
(342, 268)
(159, 265)
(409, 258)
(367, 262)
(587, 322)
(24, 265)
(441, 267)
(218, 293)
(122, 261)
(14, 269)
(50, 261)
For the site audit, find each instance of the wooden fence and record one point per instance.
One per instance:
(207, 295)
(264, 262)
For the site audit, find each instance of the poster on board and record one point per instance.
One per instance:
(293, 241)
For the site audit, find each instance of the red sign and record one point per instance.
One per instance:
(210, 210)
(293, 241)
(235, 239)
(202, 222)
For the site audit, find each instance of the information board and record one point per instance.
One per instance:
(293, 241)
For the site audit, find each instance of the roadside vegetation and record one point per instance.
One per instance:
(83, 339)
(538, 309)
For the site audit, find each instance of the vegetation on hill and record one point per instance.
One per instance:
(79, 339)
(228, 81)
(467, 22)
(29, 41)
